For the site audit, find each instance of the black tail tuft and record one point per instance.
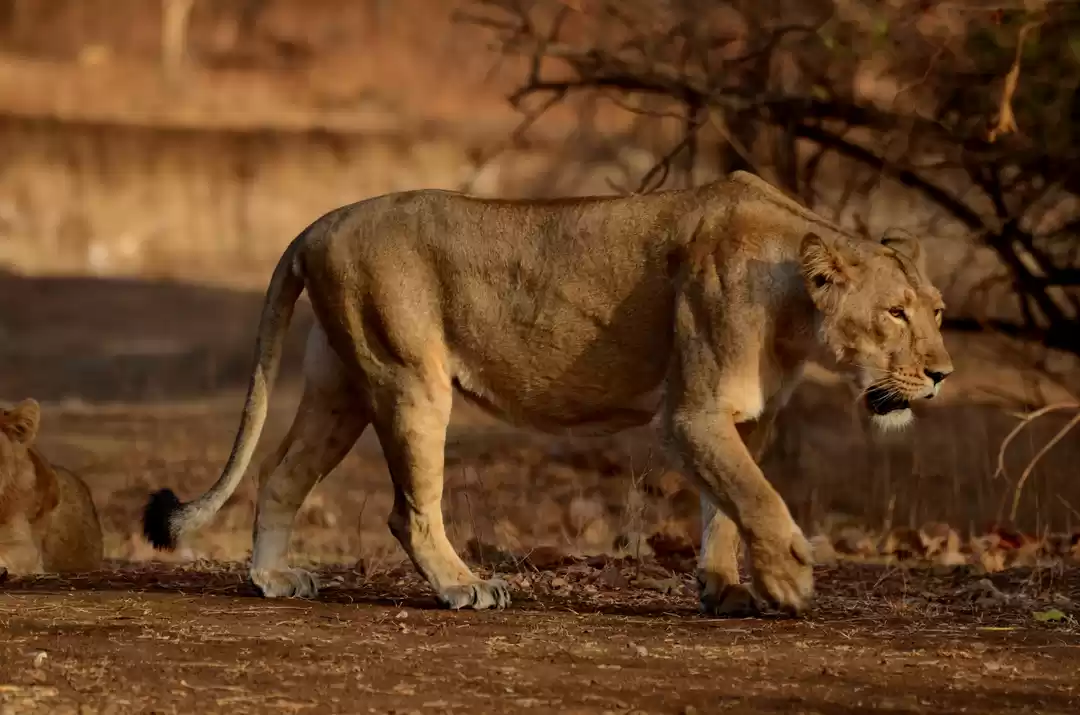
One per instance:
(157, 518)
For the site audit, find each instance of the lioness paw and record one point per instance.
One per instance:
(285, 583)
(478, 596)
(783, 572)
(728, 601)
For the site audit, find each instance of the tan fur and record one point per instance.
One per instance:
(699, 306)
(48, 523)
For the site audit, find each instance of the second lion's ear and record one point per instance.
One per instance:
(20, 423)
(825, 268)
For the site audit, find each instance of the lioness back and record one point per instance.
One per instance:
(550, 310)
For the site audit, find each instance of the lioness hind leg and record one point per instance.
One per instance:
(720, 590)
(328, 422)
(411, 423)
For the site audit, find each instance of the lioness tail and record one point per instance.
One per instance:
(166, 518)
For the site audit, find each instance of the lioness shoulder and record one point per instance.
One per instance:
(48, 522)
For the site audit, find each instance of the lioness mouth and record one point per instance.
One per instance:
(881, 402)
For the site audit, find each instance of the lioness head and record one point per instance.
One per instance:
(18, 428)
(881, 319)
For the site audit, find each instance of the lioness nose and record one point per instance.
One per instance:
(938, 375)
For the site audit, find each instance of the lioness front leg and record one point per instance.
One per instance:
(411, 422)
(718, 461)
(19, 552)
(720, 591)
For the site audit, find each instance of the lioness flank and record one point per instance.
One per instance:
(698, 306)
(47, 519)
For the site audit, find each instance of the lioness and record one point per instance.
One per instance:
(47, 519)
(700, 305)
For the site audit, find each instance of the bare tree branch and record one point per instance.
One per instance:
(795, 84)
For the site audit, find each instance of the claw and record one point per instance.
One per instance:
(477, 596)
(286, 583)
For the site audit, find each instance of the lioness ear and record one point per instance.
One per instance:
(906, 245)
(21, 421)
(823, 268)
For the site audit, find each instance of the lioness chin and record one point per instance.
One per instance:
(47, 518)
(699, 306)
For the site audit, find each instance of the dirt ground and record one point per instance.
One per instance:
(169, 640)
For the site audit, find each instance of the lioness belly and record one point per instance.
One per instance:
(557, 410)
(557, 368)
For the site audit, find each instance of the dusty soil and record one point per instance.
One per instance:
(186, 641)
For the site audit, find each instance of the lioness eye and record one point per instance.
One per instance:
(898, 313)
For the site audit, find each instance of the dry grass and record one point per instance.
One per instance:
(1058, 436)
